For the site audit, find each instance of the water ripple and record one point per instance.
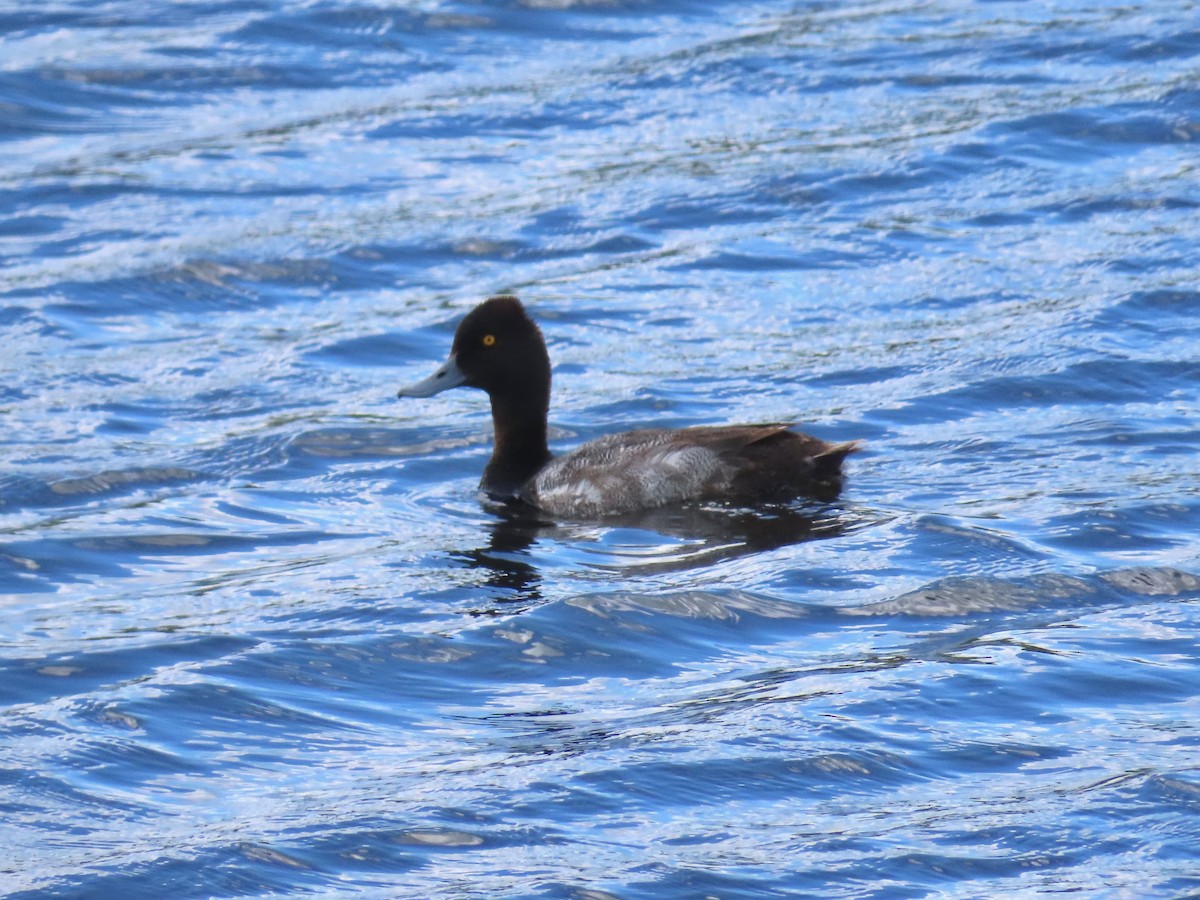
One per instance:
(261, 635)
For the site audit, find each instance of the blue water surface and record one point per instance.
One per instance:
(258, 633)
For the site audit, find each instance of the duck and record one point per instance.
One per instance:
(499, 349)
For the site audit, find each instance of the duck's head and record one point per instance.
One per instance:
(498, 349)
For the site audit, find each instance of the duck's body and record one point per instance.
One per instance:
(499, 349)
(623, 473)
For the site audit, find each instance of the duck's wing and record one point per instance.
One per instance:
(622, 473)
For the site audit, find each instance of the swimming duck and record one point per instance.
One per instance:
(499, 349)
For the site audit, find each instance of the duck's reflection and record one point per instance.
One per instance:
(700, 536)
(506, 557)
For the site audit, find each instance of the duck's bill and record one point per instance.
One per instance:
(448, 375)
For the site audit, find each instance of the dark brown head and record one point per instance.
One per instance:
(498, 348)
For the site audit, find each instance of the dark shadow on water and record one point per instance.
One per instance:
(706, 535)
(506, 556)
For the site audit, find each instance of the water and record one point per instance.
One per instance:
(258, 634)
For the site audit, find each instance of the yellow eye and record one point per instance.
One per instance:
(488, 340)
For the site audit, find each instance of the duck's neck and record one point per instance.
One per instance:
(520, 448)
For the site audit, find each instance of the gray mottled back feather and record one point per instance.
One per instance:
(636, 470)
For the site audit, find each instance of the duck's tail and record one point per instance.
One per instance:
(838, 452)
(827, 463)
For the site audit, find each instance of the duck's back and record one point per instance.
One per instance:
(635, 470)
